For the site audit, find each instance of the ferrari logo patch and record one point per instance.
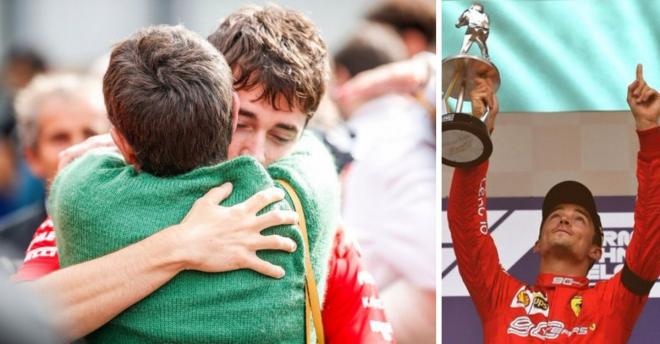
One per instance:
(576, 305)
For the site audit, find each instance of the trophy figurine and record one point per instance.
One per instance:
(465, 138)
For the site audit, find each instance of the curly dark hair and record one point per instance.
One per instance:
(277, 49)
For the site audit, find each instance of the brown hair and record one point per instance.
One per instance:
(407, 14)
(169, 92)
(278, 49)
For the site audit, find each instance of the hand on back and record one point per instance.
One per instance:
(219, 239)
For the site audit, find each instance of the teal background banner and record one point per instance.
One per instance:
(560, 55)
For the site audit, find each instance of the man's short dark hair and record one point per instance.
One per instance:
(407, 14)
(372, 45)
(169, 92)
(277, 49)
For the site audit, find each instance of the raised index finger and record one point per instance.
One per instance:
(640, 72)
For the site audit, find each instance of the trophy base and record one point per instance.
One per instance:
(463, 70)
(465, 140)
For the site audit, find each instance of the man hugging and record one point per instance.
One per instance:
(169, 98)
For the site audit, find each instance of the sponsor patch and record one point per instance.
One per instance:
(534, 302)
(524, 327)
(523, 299)
(558, 280)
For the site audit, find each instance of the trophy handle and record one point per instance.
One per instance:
(485, 116)
(450, 90)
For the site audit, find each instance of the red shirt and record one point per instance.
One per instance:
(352, 311)
(559, 308)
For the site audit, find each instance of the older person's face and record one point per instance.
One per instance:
(263, 132)
(62, 122)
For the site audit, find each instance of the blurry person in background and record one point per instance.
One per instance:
(23, 315)
(414, 20)
(18, 187)
(20, 66)
(23, 319)
(389, 188)
(54, 112)
(374, 45)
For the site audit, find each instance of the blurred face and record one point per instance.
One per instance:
(263, 132)
(568, 231)
(62, 123)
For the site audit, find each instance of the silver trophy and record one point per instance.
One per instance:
(465, 138)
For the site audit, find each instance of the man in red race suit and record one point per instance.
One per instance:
(561, 307)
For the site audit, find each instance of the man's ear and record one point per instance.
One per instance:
(125, 148)
(595, 252)
(536, 247)
(236, 105)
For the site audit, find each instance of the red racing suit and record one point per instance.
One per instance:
(558, 309)
(348, 314)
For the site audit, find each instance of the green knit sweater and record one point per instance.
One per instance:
(99, 205)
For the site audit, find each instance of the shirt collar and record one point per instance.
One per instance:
(552, 280)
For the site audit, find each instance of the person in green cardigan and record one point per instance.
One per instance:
(169, 97)
(215, 238)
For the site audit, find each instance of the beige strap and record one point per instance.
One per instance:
(312, 303)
